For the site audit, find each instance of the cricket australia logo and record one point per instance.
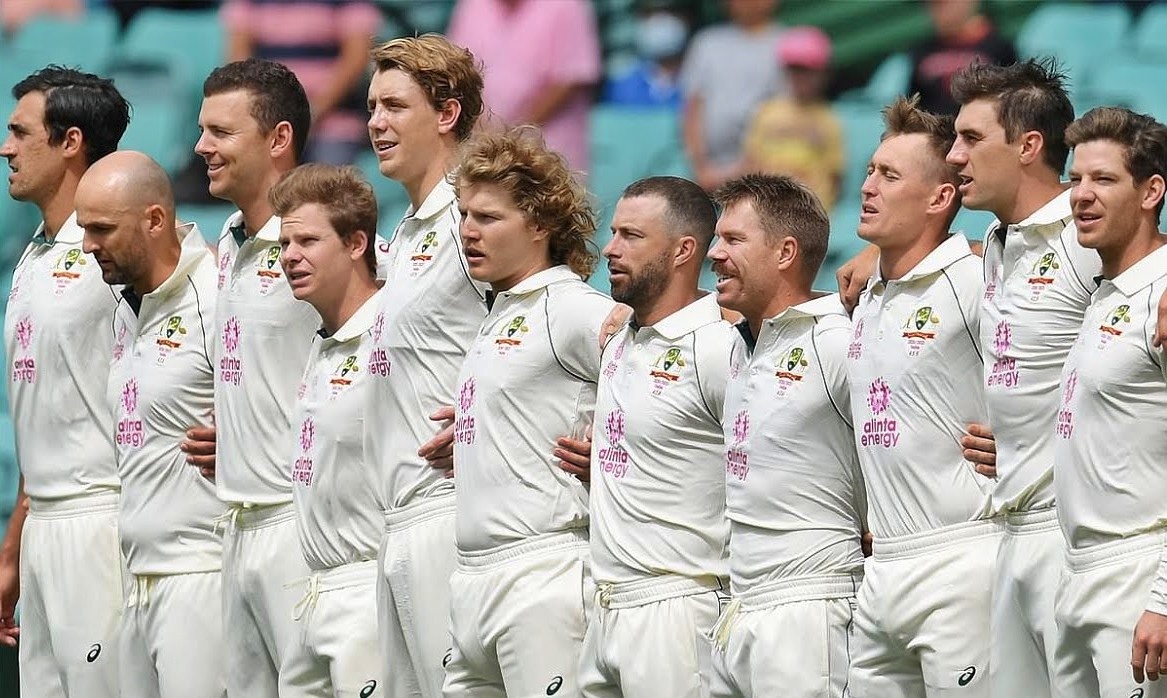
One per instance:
(920, 328)
(68, 269)
(464, 424)
(1004, 369)
(737, 460)
(130, 431)
(613, 458)
(511, 335)
(24, 367)
(1042, 274)
(230, 367)
(667, 369)
(1115, 324)
(790, 369)
(879, 431)
(302, 468)
(269, 271)
(345, 373)
(1065, 424)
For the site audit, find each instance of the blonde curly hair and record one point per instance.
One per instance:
(542, 187)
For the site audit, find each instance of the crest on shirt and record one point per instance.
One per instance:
(511, 334)
(790, 368)
(920, 328)
(269, 270)
(1115, 321)
(346, 371)
(68, 269)
(170, 337)
(1042, 274)
(667, 368)
(423, 252)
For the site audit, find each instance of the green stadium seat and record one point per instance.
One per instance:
(1148, 39)
(18, 220)
(86, 42)
(392, 201)
(862, 127)
(1129, 82)
(890, 80)
(1077, 33)
(160, 118)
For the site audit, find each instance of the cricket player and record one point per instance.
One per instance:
(327, 215)
(1110, 445)
(916, 374)
(254, 121)
(794, 491)
(522, 586)
(58, 336)
(160, 382)
(658, 529)
(424, 100)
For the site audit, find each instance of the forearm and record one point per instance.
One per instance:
(10, 548)
(350, 65)
(550, 101)
(693, 133)
(238, 46)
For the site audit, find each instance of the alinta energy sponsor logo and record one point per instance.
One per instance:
(24, 366)
(613, 458)
(991, 286)
(790, 368)
(130, 432)
(1065, 424)
(378, 358)
(511, 335)
(230, 367)
(880, 430)
(224, 267)
(610, 368)
(1042, 274)
(464, 424)
(119, 341)
(920, 328)
(1003, 372)
(302, 468)
(737, 460)
(268, 270)
(1115, 323)
(855, 348)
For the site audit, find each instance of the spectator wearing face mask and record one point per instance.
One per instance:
(654, 81)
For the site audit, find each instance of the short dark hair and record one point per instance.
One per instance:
(1143, 140)
(344, 194)
(276, 95)
(689, 209)
(74, 99)
(785, 207)
(1030, 96)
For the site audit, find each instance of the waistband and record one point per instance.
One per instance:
(1115, 552)
(72, 507)
(140, 586)
(655, 589)
(538, 545)
(925, 542)
(352, 574)
(1020, 523)
(796, 589)
(419, 511)
(252, 517)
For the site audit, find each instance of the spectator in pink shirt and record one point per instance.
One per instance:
(541, 60)
(326, 44)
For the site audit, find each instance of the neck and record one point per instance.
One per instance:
(678, 294)
(787, 295)
(356, 292)
(419, 187)
(1146, 240)
(162, 266)
(257, 211)
(1032, 194)
(59, 206)
(541, 264)
(894, 262)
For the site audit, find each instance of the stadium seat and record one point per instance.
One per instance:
(18, 220)
(392, 201)
(890, 80)
(972, 223)
(1077, 33)
(629, 143)
(160, 120)
(1148, 39)
(86, 42)
(1129, 82)
(862, 127)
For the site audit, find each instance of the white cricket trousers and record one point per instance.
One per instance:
(518, 616)
(786, 639)
(335, 653)
(416, 561)
(650, 638)
(261, 560)
(923, 616)
(1103, 592)
(1024, 633)
(71, 582)
(172, 637)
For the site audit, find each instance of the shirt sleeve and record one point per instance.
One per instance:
(237, 15)
(574, 321)
(575, 43)
(713, 347)
(358, 18)
(831, 346)
(1084, 265)
(694, 74)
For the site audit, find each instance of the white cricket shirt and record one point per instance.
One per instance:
(1038, 282)
(336, 493)
(161, 382)
(794, 489)
(58, 332)
(529, 378)
(658, 488)
(1111, 422)
(916, 376)
(429, 313)
(262, 339)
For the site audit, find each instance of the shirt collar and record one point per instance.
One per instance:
(69, 234)
(269, 232)
(541, 280)
(946, 253)
(438, 200)
(360, 322)
(193, 250)
(1142, 273)
(828, 304)
(701, 312)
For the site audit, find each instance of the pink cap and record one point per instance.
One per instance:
(808, 47)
